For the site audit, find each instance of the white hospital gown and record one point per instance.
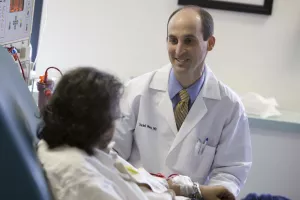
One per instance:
(74, 175)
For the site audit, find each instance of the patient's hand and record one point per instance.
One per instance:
(182, 183)
(175, 187)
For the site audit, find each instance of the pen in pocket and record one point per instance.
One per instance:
(202, 147)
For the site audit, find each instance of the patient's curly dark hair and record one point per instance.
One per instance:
(82, 110)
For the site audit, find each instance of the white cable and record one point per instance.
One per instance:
(32, 86)
(33, 78)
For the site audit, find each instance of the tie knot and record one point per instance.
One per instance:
(184, 95)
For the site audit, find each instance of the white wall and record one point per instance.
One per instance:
(253, 52)
(127, 37)
(261, 53)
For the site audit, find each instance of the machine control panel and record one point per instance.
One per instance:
(15, 20)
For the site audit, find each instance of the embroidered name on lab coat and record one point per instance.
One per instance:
(147, 126)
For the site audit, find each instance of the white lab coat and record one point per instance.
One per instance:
(147, 136)
(74, 175)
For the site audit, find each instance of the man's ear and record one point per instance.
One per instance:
(211, 43)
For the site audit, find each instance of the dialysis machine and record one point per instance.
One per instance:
(16, 18)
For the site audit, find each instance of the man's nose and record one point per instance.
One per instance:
(179, 49)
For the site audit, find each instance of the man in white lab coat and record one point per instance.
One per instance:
(180, 118)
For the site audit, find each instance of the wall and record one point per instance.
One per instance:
(260, 53)
(126, 37)
(253, 53)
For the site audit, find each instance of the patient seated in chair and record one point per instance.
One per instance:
(75, 143)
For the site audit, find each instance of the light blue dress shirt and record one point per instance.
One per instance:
(193, 90)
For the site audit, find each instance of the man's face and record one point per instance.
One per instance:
(186, 47)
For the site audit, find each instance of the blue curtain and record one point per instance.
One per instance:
(38, 9)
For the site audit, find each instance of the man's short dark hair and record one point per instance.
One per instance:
(82, 109)
(207, 20)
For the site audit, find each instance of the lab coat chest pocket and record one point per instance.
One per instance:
(201, 160)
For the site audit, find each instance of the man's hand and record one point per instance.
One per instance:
(216, 193)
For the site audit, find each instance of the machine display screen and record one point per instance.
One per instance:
(16, 5)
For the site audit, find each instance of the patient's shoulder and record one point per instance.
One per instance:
(64, 155)
(64, 161)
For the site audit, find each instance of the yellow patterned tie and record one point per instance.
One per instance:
(182, 108)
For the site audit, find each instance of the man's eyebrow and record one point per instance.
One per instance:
(171, 36)
(185, 36)
(190, 36)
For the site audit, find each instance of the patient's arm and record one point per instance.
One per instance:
(170, 195)
(84, 184)
(164, 196)
(94, 190)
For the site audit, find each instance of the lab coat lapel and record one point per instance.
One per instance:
(194, 116)
(210, 90)
(160, 84)
(166, 110)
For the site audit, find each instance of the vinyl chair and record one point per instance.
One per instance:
(254, 196)
(21, 175)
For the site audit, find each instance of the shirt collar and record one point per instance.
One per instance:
(108, 158)
(193, 90)
(174, 85)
